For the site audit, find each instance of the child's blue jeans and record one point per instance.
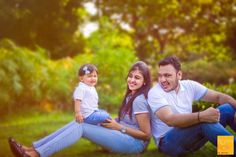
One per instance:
(97, 117)
(179, 141)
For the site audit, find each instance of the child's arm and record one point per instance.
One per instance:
(78, 116)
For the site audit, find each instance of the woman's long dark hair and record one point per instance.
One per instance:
(126, 107)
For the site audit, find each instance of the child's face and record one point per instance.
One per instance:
(90, 79)
(135, 80)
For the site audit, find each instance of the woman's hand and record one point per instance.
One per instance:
(111, 124)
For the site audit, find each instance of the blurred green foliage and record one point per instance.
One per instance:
(48, 24)
(32, 33)
(23, 74)
(227, 89)
(218, 72)
(29, 78)
(113, 54)
(189, 29)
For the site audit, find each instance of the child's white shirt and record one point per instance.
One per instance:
(89, 98)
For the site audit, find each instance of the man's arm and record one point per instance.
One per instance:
(218, 97)
(187, 119)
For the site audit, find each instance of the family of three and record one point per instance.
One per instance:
(163, 111)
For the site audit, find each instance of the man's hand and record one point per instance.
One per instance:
(209, 115)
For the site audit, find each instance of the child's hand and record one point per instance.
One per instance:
(79, 117)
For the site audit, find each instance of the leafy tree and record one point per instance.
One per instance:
(30, 78)
(176, 26)
(230, 22)
(113, 53)
(22, 75)
(50, 24)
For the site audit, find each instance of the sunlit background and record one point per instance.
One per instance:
(44, 42)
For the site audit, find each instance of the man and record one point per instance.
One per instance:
(175, 128)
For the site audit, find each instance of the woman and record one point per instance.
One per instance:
(129, 134)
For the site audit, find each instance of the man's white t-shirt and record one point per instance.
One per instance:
(89, 98)
(180, 102)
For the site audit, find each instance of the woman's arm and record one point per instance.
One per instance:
(144, 133)
(143, 120)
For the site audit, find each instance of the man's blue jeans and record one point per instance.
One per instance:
(179, 141)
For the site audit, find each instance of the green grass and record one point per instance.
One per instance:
(32, 126)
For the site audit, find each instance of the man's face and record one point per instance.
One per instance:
(169, 77)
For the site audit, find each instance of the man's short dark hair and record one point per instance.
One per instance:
(173, 60)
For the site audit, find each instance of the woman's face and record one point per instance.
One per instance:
(135, 80)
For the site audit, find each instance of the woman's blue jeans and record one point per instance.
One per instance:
(113, 140)
(179, 141)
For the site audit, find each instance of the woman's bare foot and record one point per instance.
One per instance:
(28, 148)
(32, 153)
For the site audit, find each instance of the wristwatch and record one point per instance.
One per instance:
(123, 129)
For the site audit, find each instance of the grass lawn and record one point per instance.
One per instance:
(31, 126)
